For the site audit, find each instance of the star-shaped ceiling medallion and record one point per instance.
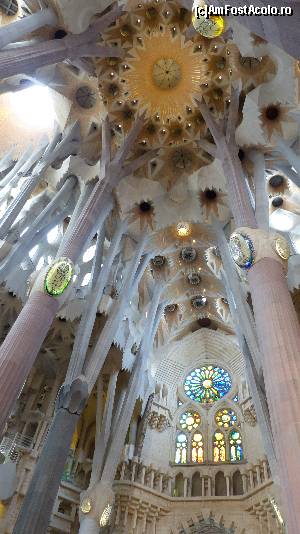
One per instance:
(164, 75)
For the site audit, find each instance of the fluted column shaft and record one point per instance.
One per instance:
(20, 347)
(89, 525)
(278, 332)
(44, 484)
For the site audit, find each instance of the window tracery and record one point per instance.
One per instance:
(207, 384)
(236, 447)
(219, 447)
(208, 435)
(189, 421)
(181, 449)
(226, 418)
(197, 448)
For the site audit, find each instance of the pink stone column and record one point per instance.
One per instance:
(20, 348)
(279, 337)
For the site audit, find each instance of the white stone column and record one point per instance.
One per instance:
(89, 525)
(251, 480)
(227, 478)
(18, 29)
(185, 486)
(245, 485)
(209, 486)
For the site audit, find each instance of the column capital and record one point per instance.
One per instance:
(72, 397)
(250, 245)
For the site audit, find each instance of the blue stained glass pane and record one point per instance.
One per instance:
(236, 398)
(208, 384)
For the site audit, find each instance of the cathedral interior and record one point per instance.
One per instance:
(149, 268)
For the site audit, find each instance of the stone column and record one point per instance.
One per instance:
(18, 29)
(44, 484)
(227, 478)
(143, 474)
(257, 468)
(265, 468)
(278, 331)
(89, 525)
(275, 317)
(20, 347)
(209, 486)
(245, 485)
(251, 479)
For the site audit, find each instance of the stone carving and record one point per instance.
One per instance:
(207, 526)
(250, 415)
(158, 421)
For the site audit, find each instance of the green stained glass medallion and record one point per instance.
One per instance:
(207, 384)
(58, 277)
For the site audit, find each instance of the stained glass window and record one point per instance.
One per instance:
(181, 449)
(207, 384)
(225, 418)
(197, 448)
(219, 447)
(236, 398)
(179, 403)
(189, 420)
(236, 447)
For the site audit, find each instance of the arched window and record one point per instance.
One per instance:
(225, 418)
(220, 484)
(181, 449)
(196, 485)
(189, 421)
(179, 485)
(219, 447)
(207, 384)
(237, 484)
(197, 448)
(236, 447)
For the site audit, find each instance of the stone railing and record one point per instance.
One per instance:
(153, 478)
(201, 481)
(13, 444)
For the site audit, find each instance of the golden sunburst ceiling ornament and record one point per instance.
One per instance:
(164, 75)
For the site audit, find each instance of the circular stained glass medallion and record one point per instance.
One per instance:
(189, 420)
(225, 418)
(207, 384)
(209, 27)
(242, 250)
(58, 277)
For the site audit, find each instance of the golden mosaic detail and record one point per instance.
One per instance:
(282, 247)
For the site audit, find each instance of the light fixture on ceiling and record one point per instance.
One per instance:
(183, 229)
(33, 107)
(282, 220)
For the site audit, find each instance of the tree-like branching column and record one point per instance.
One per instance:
(263, 256)
(20, 348)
